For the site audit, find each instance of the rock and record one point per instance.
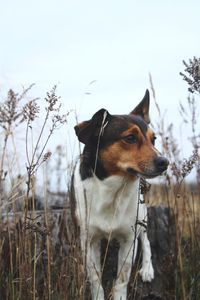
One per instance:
(161, 233)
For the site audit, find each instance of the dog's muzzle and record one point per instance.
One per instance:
(158, 166)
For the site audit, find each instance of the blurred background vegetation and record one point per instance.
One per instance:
(33, 264)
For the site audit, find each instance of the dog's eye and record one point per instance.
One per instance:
(153, 140)
(131, 139)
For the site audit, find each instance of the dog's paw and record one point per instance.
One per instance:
(147, 272)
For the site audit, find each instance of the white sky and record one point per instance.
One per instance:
(116, 43)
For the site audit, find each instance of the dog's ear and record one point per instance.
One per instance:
(92, 127)
(142, 109)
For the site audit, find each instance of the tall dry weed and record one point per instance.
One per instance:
(182, 196)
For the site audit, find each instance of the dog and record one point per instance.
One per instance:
(118, 151)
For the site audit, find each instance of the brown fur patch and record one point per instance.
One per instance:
(121, 155)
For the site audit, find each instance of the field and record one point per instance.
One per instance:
(40, 254)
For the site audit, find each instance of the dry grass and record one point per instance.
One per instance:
(40, 252)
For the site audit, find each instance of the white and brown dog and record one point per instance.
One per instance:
(119, 149)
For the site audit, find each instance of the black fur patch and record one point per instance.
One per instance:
(91, 164)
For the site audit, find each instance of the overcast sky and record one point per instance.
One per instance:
(113, 44)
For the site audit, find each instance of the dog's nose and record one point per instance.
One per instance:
(161, 163)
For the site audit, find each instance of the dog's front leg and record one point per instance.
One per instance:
(124, 268)
(147, 271)
(94, 270)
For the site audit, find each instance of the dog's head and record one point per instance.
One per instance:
(123, 144)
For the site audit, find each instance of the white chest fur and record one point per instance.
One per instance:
(106, 206)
